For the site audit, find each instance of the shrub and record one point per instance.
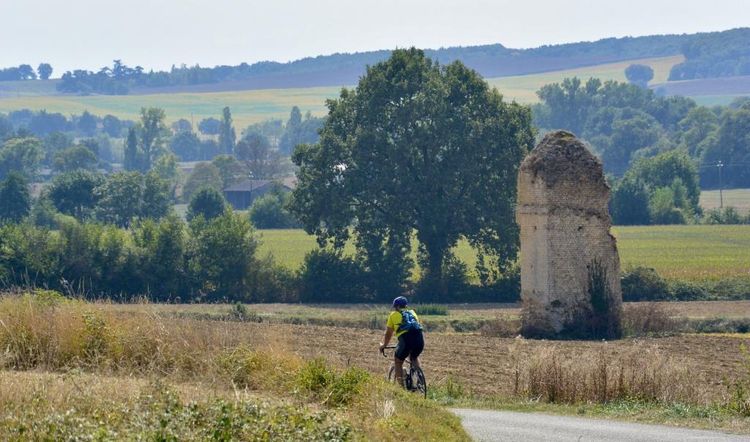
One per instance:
(239, 312)
(687, 291)
(648, 319)
(270, 212)
(317, 378)
(206, 202)
(643, 284)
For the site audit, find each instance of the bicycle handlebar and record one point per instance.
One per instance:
(387, 347)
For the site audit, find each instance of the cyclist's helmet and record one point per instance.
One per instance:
(401, 301)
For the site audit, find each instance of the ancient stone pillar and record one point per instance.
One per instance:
(570, 269)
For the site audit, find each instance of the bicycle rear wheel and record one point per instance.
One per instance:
(421, 384)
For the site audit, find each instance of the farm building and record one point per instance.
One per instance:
(242, 194)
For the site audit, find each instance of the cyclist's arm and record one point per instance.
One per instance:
(386, 338)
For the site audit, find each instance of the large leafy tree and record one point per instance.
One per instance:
(639, 74)
(73, 193)
(74, 158)
(261, 160)
(21, 155)
(15, 199)
(44, 70)
(416, 147)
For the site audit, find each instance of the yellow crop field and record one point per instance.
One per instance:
(252, 106)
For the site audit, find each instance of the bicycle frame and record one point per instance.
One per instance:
(421, 383)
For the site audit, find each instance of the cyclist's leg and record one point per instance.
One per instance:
(416, 347)
(402, 351)
(399, 370)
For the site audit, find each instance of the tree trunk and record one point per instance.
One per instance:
(432, 283)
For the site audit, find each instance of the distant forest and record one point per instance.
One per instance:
(715, 54)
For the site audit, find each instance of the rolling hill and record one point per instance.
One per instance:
(251, 106)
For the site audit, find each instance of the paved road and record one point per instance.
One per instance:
(485, 425)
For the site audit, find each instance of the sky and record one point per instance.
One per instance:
(158, 33)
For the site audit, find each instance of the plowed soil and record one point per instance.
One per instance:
(485, 365)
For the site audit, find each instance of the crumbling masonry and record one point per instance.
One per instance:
(570, 269)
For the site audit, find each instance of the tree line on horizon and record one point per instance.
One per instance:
(707, 55)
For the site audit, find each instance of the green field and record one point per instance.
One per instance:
(257, 105)
(737, 198)
(684, 252)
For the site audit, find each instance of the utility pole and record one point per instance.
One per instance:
(720, 166)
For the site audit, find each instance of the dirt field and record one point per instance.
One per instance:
(484, 365)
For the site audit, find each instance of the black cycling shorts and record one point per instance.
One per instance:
(411, 344)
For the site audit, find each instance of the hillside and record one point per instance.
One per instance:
(252, 106)
(341, 69)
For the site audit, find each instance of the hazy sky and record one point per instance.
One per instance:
(158, 33)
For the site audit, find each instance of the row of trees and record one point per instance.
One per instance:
(625, 122)
(26, 72)
(207, 260)
(714, 54)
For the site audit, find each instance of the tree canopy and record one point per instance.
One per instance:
(416, 147)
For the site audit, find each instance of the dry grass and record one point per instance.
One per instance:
(107, 349)
(642, 373)
(649, 318)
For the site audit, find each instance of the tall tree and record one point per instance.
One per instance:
(87, 124)
(152, 130)
(44, 70)
(227, 136)
(416, 147)
(15, 199)
(291, 136)
(130, 154)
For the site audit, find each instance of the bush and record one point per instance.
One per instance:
(270, 212)
(328, 276)
(728, 215)
(644, 284)
(647, 319)
(687, 291)
(317, 378)
(206, 202)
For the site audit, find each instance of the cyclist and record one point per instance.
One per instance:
(405, 324)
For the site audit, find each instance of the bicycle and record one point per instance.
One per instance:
(414, 373)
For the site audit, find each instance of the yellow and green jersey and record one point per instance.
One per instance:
(395, 320)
